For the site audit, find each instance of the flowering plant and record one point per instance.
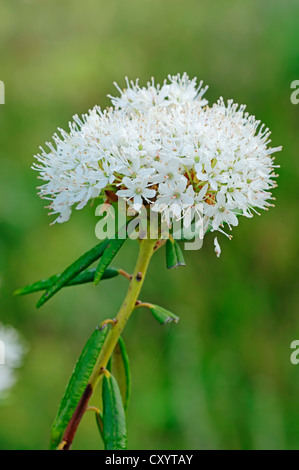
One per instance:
(162, 152)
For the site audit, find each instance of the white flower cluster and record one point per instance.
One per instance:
(162, 145)
(12, 350)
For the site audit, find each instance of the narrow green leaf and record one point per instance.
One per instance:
(88, 276)
(179, 254)
(120, 368)
(73, 270)
(82, 278)
(110, 251)
(114, 419)
(43, 284)
(162, 315)
(77, 384)
(171, 257)
(174, 255)
(99, 421)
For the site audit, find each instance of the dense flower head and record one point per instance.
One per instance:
(163, 146)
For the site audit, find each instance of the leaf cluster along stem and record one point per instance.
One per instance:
(146, 251)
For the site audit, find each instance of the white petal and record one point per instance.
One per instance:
(217, 248)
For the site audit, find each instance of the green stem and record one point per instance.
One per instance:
(146, 251)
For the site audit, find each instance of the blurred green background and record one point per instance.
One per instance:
(221, 378)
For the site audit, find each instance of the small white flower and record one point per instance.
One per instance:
(221, 212)
(174, 196)
(136, 189)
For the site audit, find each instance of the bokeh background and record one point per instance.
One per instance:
(221, 378)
